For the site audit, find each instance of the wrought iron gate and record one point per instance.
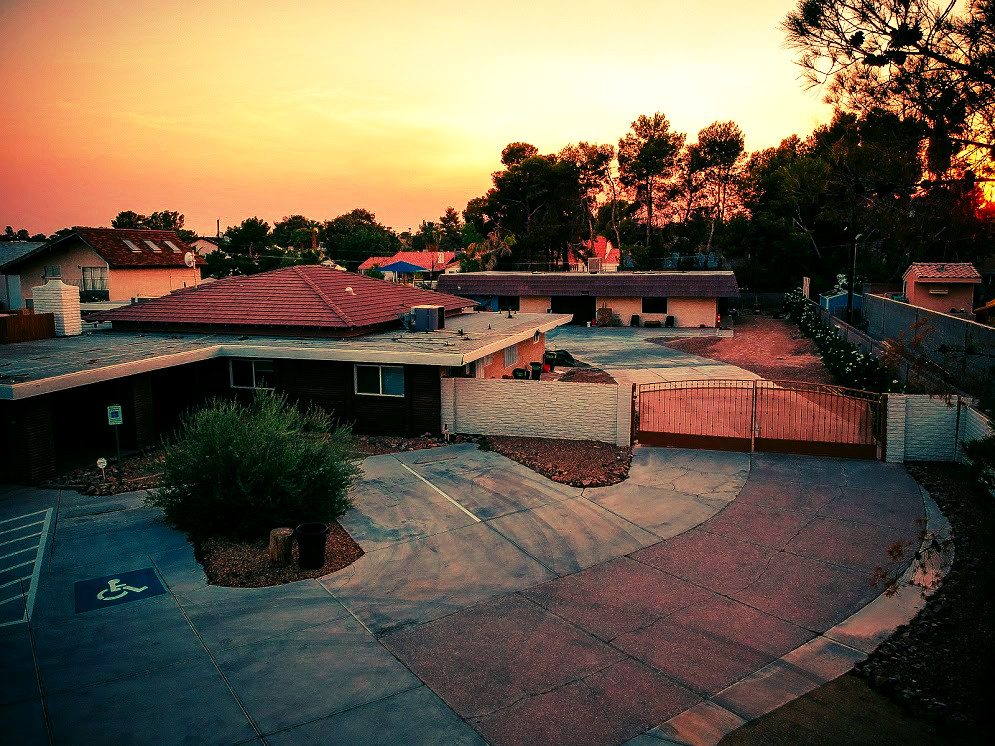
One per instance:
(780, 416)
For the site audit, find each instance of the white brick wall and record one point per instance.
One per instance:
(545, 409)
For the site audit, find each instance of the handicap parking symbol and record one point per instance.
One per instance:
(120, 588)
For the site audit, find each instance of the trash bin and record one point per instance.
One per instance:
(536, 371)
(520, 373)
(311, 541)
(635, 320)
(669, 323)
(549, 358)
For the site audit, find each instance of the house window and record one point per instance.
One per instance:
(510, 356)
(251, 374)
(508, 302)
(153, 246)
(654, 305)
(131, 245)
(94, 278)
(53, 271)
(172, 247)
(380, 380)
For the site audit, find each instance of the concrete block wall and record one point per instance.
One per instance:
(973, 425)
(543, 409)
(927, 428)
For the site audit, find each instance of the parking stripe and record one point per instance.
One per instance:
(441, 492)
(18, 585)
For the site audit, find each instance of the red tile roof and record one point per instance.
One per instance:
(430, 260)
(603, 249)
(311, 297)
(619, 284)
(110, 244)
(944, 271)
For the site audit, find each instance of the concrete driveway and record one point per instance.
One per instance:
(492, 604)
(639, 355)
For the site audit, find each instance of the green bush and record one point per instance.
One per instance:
(240, 471)
(849, 365)
(981, 458)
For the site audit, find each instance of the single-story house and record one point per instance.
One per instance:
(596, 256)
(372, 352)
(432, 262)
(946, 287)
(679, 299)
(106, 264)
(204, 245)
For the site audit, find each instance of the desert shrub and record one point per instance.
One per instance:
(241, 470)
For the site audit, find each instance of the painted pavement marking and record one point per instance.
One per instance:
(441, 493)
(119, 588)
(20, 565)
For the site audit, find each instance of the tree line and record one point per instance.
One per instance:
(898, 175)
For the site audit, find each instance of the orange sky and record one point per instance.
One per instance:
(233, 109)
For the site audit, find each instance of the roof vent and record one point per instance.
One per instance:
(350, 291)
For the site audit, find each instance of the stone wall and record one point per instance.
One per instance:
(931, 428)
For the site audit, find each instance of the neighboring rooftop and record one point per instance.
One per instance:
(622, 284)
(944, 272)
(303, 299)
(121, 248)
(11, 251)
(429, 261)
(33, 368)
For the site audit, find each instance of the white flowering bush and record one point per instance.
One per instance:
(849, 365)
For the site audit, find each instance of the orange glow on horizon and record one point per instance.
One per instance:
(226, 111)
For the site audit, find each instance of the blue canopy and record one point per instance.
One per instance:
(404, 267)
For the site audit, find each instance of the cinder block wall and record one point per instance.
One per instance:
(543, 409)
(927, 428)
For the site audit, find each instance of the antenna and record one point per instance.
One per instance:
(188, 259)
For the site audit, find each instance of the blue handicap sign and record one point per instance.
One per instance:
(120, 588)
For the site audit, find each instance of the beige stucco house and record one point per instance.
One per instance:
(105, 264)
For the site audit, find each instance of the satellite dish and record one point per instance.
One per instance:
(188, 259)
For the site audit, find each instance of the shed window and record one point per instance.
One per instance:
(654, 305)
(251, 374)
(380, 380)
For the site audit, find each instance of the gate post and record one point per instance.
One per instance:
(753, 420)
(634, 419)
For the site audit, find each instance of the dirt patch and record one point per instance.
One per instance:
(774, 349)
(579, 463)
(245, 564)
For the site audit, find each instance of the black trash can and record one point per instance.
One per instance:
(311, 541)
(549, 358)
(536, 371)
(635, 320)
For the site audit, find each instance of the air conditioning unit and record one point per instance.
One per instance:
(429, 318)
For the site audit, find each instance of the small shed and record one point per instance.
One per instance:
(945, 287)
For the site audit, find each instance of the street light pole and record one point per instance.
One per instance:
(853, 279)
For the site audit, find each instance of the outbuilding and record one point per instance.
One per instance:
(678, 299)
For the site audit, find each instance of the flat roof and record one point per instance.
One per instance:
(43, 366)
(691, 284)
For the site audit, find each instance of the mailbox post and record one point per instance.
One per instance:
(114, 419)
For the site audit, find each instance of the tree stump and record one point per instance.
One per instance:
(281, 546)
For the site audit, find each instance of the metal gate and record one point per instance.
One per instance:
(779, 416)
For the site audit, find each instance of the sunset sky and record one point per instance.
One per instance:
(228, 110)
